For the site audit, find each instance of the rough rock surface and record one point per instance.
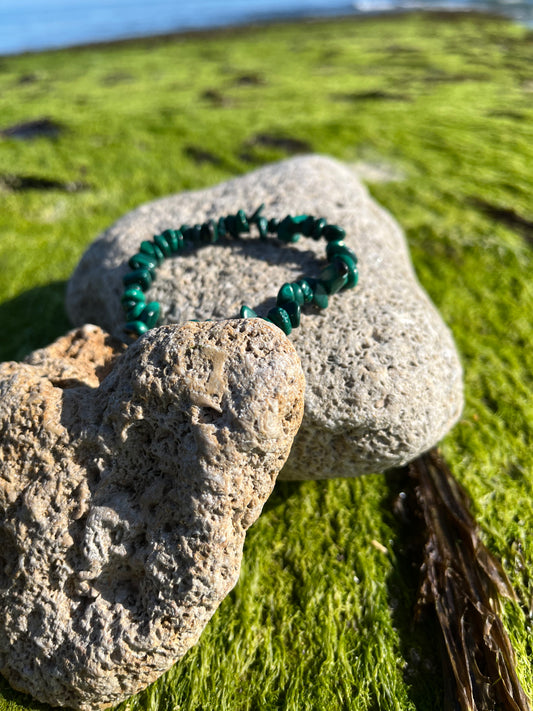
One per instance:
(384, 381)
(124, 503)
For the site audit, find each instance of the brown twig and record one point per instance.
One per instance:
(463, 582)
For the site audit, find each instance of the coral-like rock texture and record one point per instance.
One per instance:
(128, 479)
(384, 380)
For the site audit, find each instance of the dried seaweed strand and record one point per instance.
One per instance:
(463, 581)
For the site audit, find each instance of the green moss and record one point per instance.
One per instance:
(322, 616)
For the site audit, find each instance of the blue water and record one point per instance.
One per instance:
(30, 25)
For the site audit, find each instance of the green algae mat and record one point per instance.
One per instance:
(436, 112)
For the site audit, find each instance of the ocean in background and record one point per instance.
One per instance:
(33, 25)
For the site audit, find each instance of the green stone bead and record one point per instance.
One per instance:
(256, 215)
(152, 251)
(320, 297)
(172, 242)
(298, 293)
(174, 239)
(293, 309)
(141, 277)
(273, 225)
(247, 312)
(353, 272)
(221, 227)
(333, 232)
(320, 223)
(134, 313)
(231, 226)
(307, 226)
(286, 293)
(150, 314)
(197, 233)
(353, 279)
(298, 219)
(281, 318)
(262, 226)
(334, 277)
(209, 232)
(290, 292)
(143, 261)
(181, 239)
(133, 294)
(349, 261)
(136, 328)
(163, 245)
(186, 231)
(128, 305)
(338, 247)
(204, 233)
(307, 291)
(288, 230)
(284, 230)
(242, 221)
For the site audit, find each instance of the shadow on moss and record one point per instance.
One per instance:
(21, 183)
(32, 320)
(422, 671)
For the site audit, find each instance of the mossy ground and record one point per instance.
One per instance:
(322, 617)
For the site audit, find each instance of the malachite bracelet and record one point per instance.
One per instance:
(339, 274)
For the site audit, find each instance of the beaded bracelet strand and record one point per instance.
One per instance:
(339, 274)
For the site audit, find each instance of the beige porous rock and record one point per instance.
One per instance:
(127, 483)
(384, 380)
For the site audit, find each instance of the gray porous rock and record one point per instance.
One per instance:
(384, 380)
(127, 483)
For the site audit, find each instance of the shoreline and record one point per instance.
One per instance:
(238, 29)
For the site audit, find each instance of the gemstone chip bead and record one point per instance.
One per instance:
(247, 312)
(281, 318)
(142, 277)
